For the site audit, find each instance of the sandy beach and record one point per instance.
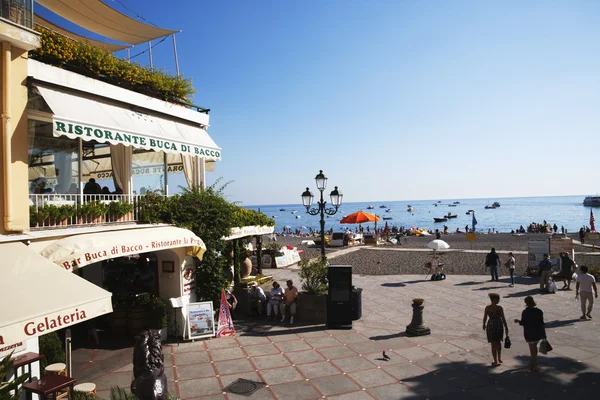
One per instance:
(463, 257)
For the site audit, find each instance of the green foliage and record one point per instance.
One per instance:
(313, 273)
(51, 213)
(116, 393)
(86, 59)
(51, 347)
(154, 209)
(245, 217)
(75, 395)
(7, 388)
(156, 309)
(92, 209)
(117, 209)
(210, 278)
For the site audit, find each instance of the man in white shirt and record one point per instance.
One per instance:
(585, 283)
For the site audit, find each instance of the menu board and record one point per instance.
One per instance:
(200, 320)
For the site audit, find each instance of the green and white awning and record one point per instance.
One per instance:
(81, 116)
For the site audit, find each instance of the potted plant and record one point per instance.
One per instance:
(418, 301)
(10, 390)
(54, 215)
(83, 213)
(312, 302)
(157, 316)
(120, 211)
(65, 214)
(97, 210)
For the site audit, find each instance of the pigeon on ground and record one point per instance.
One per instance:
(385, 356)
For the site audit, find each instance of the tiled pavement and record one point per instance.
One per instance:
(311, 362)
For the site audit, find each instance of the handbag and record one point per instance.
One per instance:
(507, 343)
(545, 346)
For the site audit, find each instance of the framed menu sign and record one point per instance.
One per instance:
(201, 320)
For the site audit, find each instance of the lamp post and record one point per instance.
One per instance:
(336, 200)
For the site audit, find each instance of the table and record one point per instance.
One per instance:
(51, 384)
(26, 360)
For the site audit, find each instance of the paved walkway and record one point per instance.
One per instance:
(310, 362)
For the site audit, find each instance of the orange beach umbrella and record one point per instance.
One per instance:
(359, 217)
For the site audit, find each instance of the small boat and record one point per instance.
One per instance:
(370, 207)
(435, 205)
(388, 210)
(439, 201)
(456, 202)
(410, 209)
(496, 204)
(469, 212)
(440, 219)
(282, 209)
(275, 216)
(451, 215)
(294, 212)
(382, 206)
(297, 217)
(451, 205)
(387, 218)
(490, 207)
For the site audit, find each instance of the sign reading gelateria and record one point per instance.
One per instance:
(90, 132)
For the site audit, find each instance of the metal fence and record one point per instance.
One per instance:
(18, 11)
(60, 210)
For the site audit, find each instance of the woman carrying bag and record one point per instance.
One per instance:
(532, 320)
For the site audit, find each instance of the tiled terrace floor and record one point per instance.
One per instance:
(310, 362)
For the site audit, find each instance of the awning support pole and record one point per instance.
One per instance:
(166, 164)
(175, 52)
(150, 52)
(129, 55)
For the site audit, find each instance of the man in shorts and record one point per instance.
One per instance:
(585, 283)
(290, 297)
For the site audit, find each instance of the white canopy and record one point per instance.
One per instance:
(80, 250)
(79, 116)
(97, 17)
(78, 38)
(38, 297)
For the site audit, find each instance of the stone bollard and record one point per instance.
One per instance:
(416, 327)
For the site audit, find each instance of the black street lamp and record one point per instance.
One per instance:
(336, 200)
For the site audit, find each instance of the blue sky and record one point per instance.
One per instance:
(393, 99)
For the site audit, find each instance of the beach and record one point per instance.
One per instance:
(463, 257)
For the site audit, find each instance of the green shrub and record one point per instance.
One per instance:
(5, 390)
(117, 209)
(313, 273)
(52, 348)
(157, 313)
(595, 271)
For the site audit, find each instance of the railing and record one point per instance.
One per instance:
(51, 211)
(18, 11)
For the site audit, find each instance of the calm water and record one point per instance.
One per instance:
(567, 211)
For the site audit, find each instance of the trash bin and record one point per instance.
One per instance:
(356, 302)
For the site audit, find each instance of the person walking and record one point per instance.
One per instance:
(582, 235)
(492, 260)
(494, 324)
(510, 264)
(545, 266)
(566, 271)
(532, 321)
(585, 283)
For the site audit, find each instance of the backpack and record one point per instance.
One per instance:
(551, 286)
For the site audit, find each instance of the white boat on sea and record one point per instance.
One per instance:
(370, 207)
(294, 212)
(388, 210)
(592, 201)
(410, 209)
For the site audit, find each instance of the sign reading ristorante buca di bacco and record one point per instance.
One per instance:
(90, 256)
(90, 132)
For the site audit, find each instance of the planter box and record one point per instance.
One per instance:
(312, 308)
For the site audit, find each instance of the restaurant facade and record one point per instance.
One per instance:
(77, 155)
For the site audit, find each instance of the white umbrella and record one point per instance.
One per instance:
(438, 245)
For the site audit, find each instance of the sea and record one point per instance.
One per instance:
(564, 211)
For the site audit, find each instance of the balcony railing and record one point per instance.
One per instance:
(18, 11)
(52, 211)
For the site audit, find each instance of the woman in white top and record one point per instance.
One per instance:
(275, 300)
(510, 264)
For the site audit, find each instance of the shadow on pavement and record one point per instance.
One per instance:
(524, 293)
(559, 378)
(386, 337)
(401, 284)
(272, 328)
(558, 323)
(469, 283)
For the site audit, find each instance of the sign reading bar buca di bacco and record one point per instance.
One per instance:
(129, 139)
(90, 256)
